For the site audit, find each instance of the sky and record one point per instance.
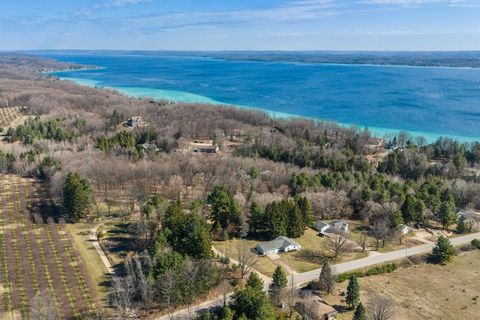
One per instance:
(240, 24)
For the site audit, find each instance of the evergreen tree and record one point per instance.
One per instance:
(279, 282)
(77, 197)
(255, 282)
(286, 218)
(443, 252)
(256, 221)
(295, 226)
(353, 293)
(187, 233)
(327, 279)
(419, 211)
(227, 314)
(252, 305)
(366, 194)
(253, 173)
(360, 313)
(277, 219)
(225, 211)
(446, 214)
(408, 208)
(396, 219)
(306, 211)
(461, 225)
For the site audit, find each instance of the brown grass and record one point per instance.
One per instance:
(427, 291)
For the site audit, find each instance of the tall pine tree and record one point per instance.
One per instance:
(256, 221)
(443, 252)
(353, 292)
(77, 197)
(225, 211)
(360, 313)
(279, 282)
(327, 279)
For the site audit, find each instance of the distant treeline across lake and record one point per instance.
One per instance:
(431, 101)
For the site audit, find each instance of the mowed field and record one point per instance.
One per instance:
(36, 253)
(426, 291)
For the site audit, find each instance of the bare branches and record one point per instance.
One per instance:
(338, 244)
(380, 308)
(246, 259)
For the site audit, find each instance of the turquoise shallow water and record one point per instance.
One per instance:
(424, 101)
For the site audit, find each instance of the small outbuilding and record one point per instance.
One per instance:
(280, 244)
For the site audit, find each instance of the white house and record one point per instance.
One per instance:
(336, 226)
(280, 244)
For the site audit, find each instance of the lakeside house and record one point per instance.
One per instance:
(336, 226)
(316, 309)
(280, 244)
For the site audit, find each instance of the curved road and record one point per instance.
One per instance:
(301, 278)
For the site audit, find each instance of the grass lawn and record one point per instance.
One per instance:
(357, 230)
(310, 257)
(81, 240)
(116, 240)
(264, 265)
(426, 291)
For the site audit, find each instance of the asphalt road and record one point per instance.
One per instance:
(380, 258)
(302, 278)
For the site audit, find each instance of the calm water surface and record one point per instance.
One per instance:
(430, 101)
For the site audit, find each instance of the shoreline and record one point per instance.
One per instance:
(186, 97)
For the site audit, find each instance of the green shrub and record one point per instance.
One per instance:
(476, 243)
(347, 275)
(387, 268)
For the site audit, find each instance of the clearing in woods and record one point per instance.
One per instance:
(36, 253)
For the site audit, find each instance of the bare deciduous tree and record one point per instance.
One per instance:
(363, 242)
(290, 297)
(167, 284)
(380, 308)
(338, 244)
(121, 297)
(246, 259)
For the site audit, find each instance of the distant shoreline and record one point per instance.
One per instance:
(176, 97)
(426, 59)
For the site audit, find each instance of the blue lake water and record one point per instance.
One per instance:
(425, 101)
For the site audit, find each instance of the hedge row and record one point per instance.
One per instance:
(386, 268)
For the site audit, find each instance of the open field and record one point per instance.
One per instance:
(426, 291)
(37, 253)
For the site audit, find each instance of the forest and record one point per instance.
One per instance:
(271, 177)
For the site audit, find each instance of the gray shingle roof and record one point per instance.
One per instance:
(278, 243)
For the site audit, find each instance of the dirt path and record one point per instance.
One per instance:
(101, 253)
